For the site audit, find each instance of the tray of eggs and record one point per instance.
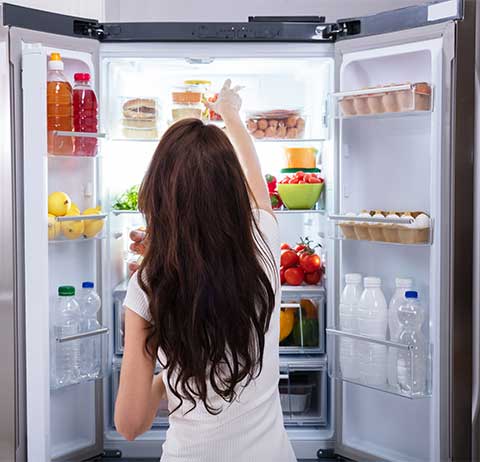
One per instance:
(382, 226)
(276, 124)
(391, 98)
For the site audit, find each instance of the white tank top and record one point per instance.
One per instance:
(250, 428)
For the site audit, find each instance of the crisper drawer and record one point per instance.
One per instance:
(119, 314)
(302, 321)
(303, 392)
(161, 418)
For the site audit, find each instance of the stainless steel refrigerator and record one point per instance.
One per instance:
(382, 145)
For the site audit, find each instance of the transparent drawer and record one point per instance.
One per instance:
(302, 323)
(384, 100)
(392, 367)
(400, 230)
(161, 417)
(77, 358)
(303, 394)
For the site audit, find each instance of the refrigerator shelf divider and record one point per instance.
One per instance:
(386, 115)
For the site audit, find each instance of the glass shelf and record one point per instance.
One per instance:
(290, 141)
(80, 239)
(303, 289)
(376, 372)
(79, 134)
(299, 212)
(125, 212)
(72, 156)
(98, 216)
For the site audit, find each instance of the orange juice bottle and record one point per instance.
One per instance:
(59, 107)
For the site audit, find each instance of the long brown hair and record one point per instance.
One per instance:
(204, 270)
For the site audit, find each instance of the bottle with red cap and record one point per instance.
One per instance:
(84, 115)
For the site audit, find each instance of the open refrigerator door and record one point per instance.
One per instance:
(391, 223)
(64, 232)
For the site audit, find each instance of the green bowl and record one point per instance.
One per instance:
(300, 196)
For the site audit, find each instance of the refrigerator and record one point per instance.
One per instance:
(413, 155)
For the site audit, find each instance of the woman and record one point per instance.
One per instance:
(205, 300)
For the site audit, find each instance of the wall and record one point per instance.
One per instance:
(239, 10)
(86, 8)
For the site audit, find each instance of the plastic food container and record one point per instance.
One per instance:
(300, 157)
(276, 124)
(295, 398)
(204, 87)
(417, 98)
(184, 111)
(186, 94)
(139, 117)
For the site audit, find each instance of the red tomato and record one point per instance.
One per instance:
(299, 174)
(307, 177)
(282, 275)
(313, 278)
(293, 181)
(294, 276)
(314, 179)
(310, 262)
(302, 182)
(284, 246)
(300, 247)
(288, 258)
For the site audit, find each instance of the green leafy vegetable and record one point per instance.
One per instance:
(128, 200)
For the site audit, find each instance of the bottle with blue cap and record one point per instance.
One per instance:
(412, 363)
(91, 347)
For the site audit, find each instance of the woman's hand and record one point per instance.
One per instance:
(228, 103)
(138, 236)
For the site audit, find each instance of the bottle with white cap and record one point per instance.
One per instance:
(348, 312)
(59, 107)
(411, 363)
(372, 322)
(394, 325)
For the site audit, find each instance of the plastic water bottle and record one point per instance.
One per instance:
(411, 364)
(67, 354)
(348, 323)
(372, 322)
(394, 325)
(91, 347)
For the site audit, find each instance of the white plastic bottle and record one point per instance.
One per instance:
(348, 312)
(66, 323)
(411, 365)
(91, 347)
(394, 325)
(372, 322)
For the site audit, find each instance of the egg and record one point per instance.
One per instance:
(291, 122)
(281, 131)
(271, 132)
(300, 123)
(422, 221)
(252, 125)
(259, 134)
(273, 123)
(262, 124)
(292, 133)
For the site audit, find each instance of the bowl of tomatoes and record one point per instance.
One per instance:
(301, 190)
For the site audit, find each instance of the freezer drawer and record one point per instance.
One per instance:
(304, 393)
(161, 418)
(302, 323)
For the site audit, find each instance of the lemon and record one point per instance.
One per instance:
(54, 228)
(59, 204)
(75, 208)
(72, 229)
(92, 227)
